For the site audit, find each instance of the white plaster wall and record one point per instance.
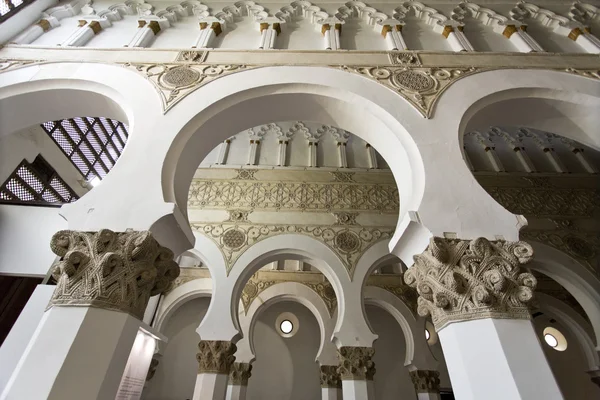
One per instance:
(25, 238)
(18, 338)
(392, 379)
(23, 19)
(182, 34)
(56, 36)
(176, 373)
(569, 367)
(300, 35)
(285, 368)
(117, 35)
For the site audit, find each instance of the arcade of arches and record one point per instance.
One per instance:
(405, 207)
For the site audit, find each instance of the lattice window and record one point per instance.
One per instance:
(92, 144)
(36, 183)
(8, 8)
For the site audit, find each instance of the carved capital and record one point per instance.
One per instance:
(460, 280)
(240, 373)
(426, 381)
(356, 363)
(215, 356)
(110, 270)
(330, 376)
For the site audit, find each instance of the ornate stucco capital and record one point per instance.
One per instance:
(460, 280)
(426, 381)
(356, 363)
(240, 373)
(330, 377)
(215, 356)
(110, 270)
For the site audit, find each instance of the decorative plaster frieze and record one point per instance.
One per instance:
(215, 356)
(174, 82)
(111, 270)
(330, 377)
(240, 373)
(356, 363)
(425, 381)
(461, 280)
(343, 195)
(348, 242)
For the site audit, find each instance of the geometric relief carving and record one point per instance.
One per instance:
(257, 284)
(174, 82)
(547, 201)
(421, 87)
(348, 242)
(293, 196)
(110, 270)
(462, 280)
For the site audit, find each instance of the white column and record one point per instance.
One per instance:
(67, 359)
(312, 153)
(331, 35)
(481, 315)
(223, 151)
(282, 155)
(584, 162)
(335, 37)
(555, 160)
(327, 37)
(34, 31)
(586, 40)
(343, 161)
(393, 37)
(252, 151)
(355, 390)
(83, 34)
(236, 392)
(372, 156)
(210, 386)
(527, 38)
(331, 393)
(513, 365)
(456, 38)
(524, 159)
(491, 154)
(145, 34)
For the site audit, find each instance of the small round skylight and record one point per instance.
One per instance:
(555, 339)
(286, 326)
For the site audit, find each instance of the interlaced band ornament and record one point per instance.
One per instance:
(460, 280)
(110, 270)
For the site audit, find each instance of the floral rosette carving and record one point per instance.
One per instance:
(110, 270)
(460, 280)
(330, 377)
(240, 373)
(215, 356)
(356, 363)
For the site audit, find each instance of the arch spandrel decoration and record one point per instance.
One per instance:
(418, 77)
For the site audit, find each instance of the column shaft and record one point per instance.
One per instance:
(372, 157)
(497, 359)
(236, 392)
(210, 386)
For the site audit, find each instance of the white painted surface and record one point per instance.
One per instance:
(176, 373)
(75, 353)
(22, 331)
(502, 354)
(236, 392)
(25, 238)
(356, 390)
(210, 386)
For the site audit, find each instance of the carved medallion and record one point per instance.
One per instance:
(180, 77)
(347, 241)
(234, 239)
(413, 80)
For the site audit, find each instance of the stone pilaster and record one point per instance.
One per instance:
(425, 381)
(111, 270)
(240, 373)
(356, 363)
(215, 356)
(461, 280)
(330, 377)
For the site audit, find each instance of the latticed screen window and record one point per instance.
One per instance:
(36, 183)
(10, 7)
(92, 144)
